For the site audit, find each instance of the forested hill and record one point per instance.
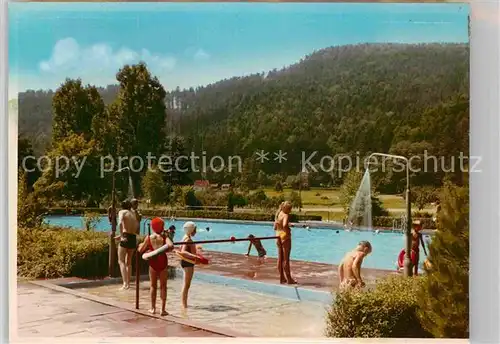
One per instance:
(361, 98)
(364, 98)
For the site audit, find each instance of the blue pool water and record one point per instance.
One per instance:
(314, 245)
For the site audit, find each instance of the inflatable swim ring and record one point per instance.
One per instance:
(156, 252)
(401, 258)
(199, 258)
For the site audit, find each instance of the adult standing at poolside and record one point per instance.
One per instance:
(284, 242)
(128, 226)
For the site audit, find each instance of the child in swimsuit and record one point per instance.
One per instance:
(188, 267)
(258, 246)
(157, 264)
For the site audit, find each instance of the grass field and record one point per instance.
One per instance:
(318, 197)
(326, 203)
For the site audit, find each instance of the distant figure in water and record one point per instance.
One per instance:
(208, 229)
(377, 231)
(171, 232)
(337, 232)
(350, 266)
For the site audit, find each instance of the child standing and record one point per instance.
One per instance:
(190, 251)
(158, 264)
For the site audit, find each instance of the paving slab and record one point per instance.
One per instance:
(230, 308)
(44, 312)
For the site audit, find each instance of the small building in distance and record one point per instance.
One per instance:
(200, 185)
(225, 187)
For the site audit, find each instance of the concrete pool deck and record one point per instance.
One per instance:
(47, 310)
(309, 275)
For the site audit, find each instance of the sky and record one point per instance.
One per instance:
(194, 44)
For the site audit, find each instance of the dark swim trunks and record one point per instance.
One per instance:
(185, 264)
(128, 241)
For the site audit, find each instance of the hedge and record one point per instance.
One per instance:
(390, 310)
(387, 221)
(190, 214)
(51, 252)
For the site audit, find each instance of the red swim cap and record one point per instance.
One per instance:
(158, 225)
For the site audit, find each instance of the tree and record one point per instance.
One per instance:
(191, 200)
(378, 208)
(295, 199)
(262, 179)
(74, 107)
(422, 196)
(278, 186)
(78, 178)
(29, 207)
(139, 112)
(257, 198)
(349, 189)
(447, 281)
(178, 196)
(25, 151)
(154, 187)
(178, 173)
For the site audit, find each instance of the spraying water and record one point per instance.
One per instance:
(130, 193)
(360, 212)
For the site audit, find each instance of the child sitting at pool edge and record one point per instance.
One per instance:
(158, 265)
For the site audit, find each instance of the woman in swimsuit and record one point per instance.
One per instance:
(282, 228)
(190, 250)
(157, 264)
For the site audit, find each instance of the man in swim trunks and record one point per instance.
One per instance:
(258, 246)
(128, 227)
(350, 266)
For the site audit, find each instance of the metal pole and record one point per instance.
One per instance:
(222, 240)
(407, 264)
(137, 277)
(112, 242)
(408, 237)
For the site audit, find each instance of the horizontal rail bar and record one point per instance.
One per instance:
(221, 240)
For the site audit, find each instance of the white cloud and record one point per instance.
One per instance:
(99, 59)
(201, 55)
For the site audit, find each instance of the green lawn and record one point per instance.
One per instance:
(315, 196)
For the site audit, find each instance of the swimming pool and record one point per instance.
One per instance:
(314, 245)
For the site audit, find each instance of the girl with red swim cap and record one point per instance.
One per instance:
(157, 264)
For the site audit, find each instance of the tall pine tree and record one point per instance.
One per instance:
(445, 296)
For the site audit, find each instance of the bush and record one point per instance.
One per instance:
(90, 220)
(387, 221)
(226, 215)
(202, 214)
(55, 252)
(49, 252)
(389, 310)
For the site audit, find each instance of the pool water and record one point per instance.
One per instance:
(314, 245)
